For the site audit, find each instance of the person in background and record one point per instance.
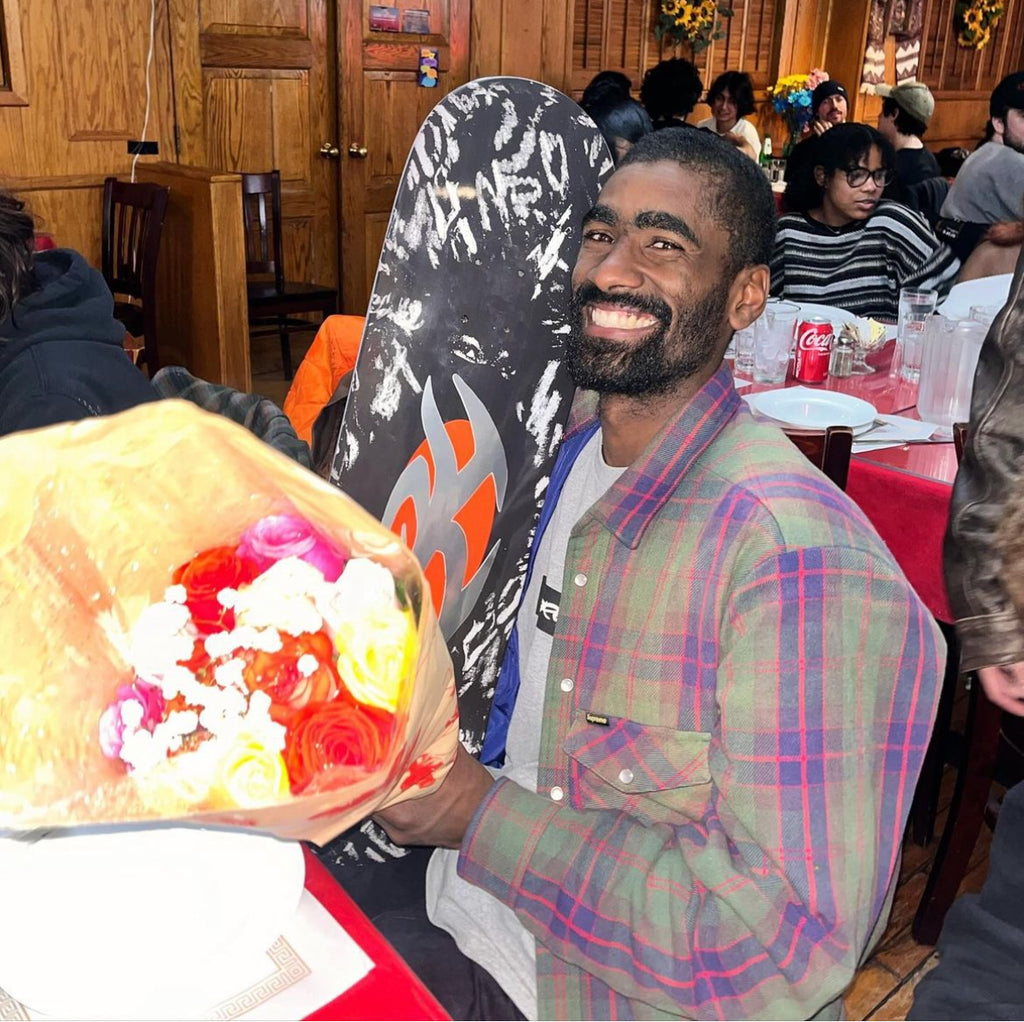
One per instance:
(906, 111)
(845, 246)
(990, 183)
(605, 85)
(731, 98)
(982, 941)
(62, 354)
(669, 92)
(830, 106)
(712, 712)
(622, 120)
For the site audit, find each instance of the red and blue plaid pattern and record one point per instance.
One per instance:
(724, 786)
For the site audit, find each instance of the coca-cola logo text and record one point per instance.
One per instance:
(813, 335)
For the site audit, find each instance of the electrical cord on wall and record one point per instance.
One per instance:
(149, 64)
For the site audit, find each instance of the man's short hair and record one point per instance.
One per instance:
(905, 123)
(670, 89)
(16, 239)
(734, 192)
(1007, 95)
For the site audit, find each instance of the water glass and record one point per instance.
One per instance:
(773, 342)
(743, 343)
(915, 309)
(983, 313)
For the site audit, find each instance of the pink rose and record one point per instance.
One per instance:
(112, 723)
(276, 537)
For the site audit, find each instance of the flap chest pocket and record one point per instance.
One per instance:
(637, 758)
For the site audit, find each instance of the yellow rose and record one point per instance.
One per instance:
(249, 774)
(375, 654)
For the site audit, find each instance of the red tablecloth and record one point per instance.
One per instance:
(390, 990)
(910, 513)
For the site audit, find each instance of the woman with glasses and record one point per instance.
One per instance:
(843, 245)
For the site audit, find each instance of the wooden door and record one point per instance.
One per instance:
(255, 87)
(381, 106)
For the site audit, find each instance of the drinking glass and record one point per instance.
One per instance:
(773, 341)
(983, 313)
(915, 309)
(743, 343)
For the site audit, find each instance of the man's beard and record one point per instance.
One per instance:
(663, 359)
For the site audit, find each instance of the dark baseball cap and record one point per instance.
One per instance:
(1007, 95)
(825, 89)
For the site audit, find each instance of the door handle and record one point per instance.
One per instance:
(357, 151)
(329, 151)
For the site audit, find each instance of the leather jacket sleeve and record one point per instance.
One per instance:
(989, 629)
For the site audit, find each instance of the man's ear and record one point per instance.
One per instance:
(998, 127)
(747, 296)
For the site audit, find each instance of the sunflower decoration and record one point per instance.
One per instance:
(693, 22)
(975, 20)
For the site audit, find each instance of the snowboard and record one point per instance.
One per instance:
(459, 397)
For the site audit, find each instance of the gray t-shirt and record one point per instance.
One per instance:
(484, 929)
(989, 187)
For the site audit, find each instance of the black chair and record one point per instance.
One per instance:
(274, 303)
(133, 220)
(828, 450)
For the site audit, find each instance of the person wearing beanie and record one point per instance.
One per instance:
(906, 111)
(990, 186)
(830, 104)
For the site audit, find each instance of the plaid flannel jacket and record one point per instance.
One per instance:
(740, 694)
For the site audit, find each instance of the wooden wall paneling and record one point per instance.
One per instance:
(201, 291)
(529, 38)
(67, 209)
(189, 108)
(255, 17)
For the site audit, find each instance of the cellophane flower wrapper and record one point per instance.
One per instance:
(97, 516)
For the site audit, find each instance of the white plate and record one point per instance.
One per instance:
(812, 409)
(155, 922)
(992, 291)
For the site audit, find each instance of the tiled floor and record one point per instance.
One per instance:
(884, 988)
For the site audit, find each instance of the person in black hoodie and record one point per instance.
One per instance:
(62, 352)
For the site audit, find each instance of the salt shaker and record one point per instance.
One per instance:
(841, 363)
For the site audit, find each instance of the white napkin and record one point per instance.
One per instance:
(309, 965)
(897, 430)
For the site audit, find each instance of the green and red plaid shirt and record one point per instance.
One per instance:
(740, 694)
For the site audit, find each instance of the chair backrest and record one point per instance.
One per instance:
(959, 439)
(261, 217)
(828, 450)
(133, 219)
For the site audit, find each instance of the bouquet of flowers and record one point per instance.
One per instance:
(694, 22)
(791, 99)
(199, 628)
(975, 21)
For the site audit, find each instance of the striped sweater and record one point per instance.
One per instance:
(862, 266)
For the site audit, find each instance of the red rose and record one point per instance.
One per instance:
(207, 574)
(279, 676)
(340, 733)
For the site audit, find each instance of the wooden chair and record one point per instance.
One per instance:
(275, 304)
(133, 220)
(828, 450)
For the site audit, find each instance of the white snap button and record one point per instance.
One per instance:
(557, 794)
(565, 684)
(626, 776)
(581, 580)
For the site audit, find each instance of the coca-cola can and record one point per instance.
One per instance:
(813, 349)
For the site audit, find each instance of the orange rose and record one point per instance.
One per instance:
(337, 734)
(293, 686)
(207, 574)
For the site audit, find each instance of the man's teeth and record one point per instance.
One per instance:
(618, 320)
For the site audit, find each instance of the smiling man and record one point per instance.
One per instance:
(719, 689)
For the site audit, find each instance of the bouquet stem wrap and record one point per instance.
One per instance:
(97, 516)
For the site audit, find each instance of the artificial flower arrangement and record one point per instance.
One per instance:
(791, 98)
(976, 20)
(694, 22)
(198, 628)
